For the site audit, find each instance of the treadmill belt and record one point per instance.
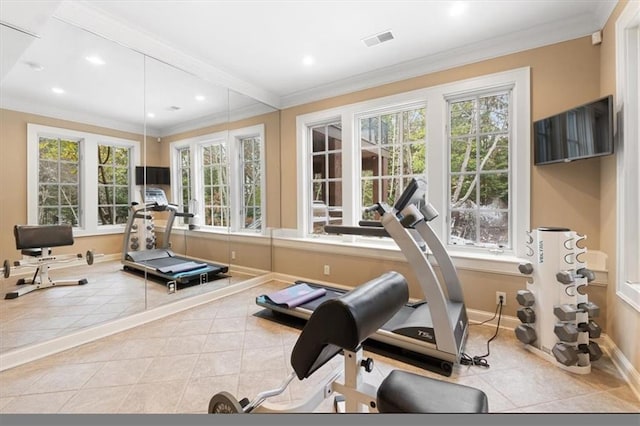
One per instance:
(181, 267)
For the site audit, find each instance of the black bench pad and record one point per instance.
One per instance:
(404, 392)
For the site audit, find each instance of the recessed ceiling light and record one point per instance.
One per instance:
(308, 60)
(200, 98)
(57, 90)
(34, 66)
(457, 8)
(174, 108)
(95, 60)
(150, 115)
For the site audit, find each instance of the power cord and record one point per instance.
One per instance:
(480, 360)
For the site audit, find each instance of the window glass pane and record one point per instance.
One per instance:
(48, 149)
(68, 172)
(105, 215)
(335, 165)
(48, 171)
(414, 159)
(122, 213)
(121, 157)
(48, 195)
(494, 227)
(494, 113)
(494, 152)
(121, 195)
(318, 163)
(48, 216)
(414, 125)
(463, 155)
(335, 137)
(122, 175)
(494, 190)
(319, 141)
(389, 129)
(69, 194)
(105, 175)
(105, 196)
(463, 120)
(463, 191)
(463, 227)
(69, 215)
(69, 150)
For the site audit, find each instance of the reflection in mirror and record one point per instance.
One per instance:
(72, 132)
(212, 139)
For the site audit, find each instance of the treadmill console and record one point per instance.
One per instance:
(155, 195)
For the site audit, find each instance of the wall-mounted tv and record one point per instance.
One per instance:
(582, 132)
(155, 175)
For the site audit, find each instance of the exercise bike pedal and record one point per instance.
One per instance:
(244, 402)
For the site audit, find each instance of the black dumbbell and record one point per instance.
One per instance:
(568, 332)
(565, 354)
(586, 273)
(525, 297)
(566, 312)
(526, 334)
(526, 314)
(525, 268)
(593, 349)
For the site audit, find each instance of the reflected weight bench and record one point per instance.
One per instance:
(35, 243)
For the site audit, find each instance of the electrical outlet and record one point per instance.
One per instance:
(327, 269)
(233, 255)
(502, 294)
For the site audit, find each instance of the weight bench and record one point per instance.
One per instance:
(340, 325)
(35, 243)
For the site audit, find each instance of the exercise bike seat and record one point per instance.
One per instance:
(405, 392)
(345, 322)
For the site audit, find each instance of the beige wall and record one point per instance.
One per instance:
(13, 180)
(623, 320)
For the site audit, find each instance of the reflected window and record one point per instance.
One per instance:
(83, 179)
(184, 183)
(215, 179)
(114, 164)
(251, 182)
(59, 181)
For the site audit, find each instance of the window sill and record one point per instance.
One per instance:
(107, 230)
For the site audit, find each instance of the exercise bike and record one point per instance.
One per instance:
(339, 326)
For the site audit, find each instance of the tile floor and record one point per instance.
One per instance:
(109, 294)
(175, 365)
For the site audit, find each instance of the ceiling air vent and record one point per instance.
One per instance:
(378, 38)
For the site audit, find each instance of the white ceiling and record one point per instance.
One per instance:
(257, 47)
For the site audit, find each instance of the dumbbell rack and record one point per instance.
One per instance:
(142, 236)
(555, 310)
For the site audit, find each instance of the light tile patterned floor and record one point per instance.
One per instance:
(175, 365)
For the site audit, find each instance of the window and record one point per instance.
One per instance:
(114, 190)
(326, 175)
(83, 179)
(628, 155)
(470, 140)
(479, 141)
(58, 181)
(225, 171)
(392, 151)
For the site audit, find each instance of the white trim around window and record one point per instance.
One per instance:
(88, 174)
(628, 154)
(437, 151)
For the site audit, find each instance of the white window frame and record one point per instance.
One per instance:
(88, 174)
(437, 152)
(231, 139)
(628, 154)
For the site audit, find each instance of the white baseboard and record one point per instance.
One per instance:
(622, 364)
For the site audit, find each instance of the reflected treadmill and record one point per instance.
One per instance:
(435, 327)
(161, 262)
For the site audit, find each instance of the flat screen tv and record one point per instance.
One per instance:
(582, 132)
(155, 175)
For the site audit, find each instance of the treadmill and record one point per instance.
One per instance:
(435, 327)
(161, 262)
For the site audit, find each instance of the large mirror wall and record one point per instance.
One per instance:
(79, 116)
